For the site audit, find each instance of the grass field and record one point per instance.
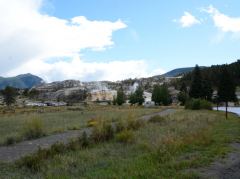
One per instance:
(56, 120)
(164, 148)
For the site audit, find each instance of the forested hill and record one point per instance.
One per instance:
(178, 72)
(212, 73)
(20, 81)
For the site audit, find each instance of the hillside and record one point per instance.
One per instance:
(20, 81)
(178, 72)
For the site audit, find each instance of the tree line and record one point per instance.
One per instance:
(201, 85)
(160, 96)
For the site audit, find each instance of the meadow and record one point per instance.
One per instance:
(60, 119)
(163, 147)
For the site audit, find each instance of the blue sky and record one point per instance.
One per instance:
(115, 39)
(152, 34)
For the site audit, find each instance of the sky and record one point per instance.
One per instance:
(115, 39)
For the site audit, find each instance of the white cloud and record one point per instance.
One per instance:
(188, 20)
(30, 37)
(79, 69)
(224, 22)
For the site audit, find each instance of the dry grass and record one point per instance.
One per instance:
(33, 129)
(57, 120)
(187, 139)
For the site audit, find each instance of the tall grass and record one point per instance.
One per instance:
(33, 129)
(186, 139)
(61, 120)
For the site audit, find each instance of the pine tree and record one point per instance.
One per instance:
(183, 87)
(132, 98)
(161, 95)
(207, 90)
(120, 97)
(183, 95)
(9, 95)
(156, 94)
(137, 97)
(196, 88)
(226, 88)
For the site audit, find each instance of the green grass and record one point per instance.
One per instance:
(55, 121)
(187, 139)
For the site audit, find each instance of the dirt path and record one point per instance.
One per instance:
(161, 113)
(226, 168)
(16, 151)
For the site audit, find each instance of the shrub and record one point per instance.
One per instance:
(102, 132)
(33, 129)
(134, 124)
(12, 140)
(157, 119)
(120, 125)
(84, 140)
(73, 128)
(196, 104)
(34, 162)
(73, 145)
(204, 104)
(57, 148)
(126, 136)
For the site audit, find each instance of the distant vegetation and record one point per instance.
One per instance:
(202, 82)
(213, 73)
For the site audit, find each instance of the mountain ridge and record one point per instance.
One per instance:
(28, 80)
(21, 81)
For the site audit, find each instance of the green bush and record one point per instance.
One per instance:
(58, 148)
(196, 104)
(134, 124)
(12, 140)
(33, 129)
(125, 136)
(102, 132)
(33, 163)
(120, 125)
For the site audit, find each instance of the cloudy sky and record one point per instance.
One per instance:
(115, 39)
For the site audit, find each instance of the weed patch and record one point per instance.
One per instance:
(33, 129)
(125, 136)
(102, 132)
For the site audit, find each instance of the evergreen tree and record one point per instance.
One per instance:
(196, 88)
(132, 98)
(207, 90)
(156, 94)
(226, 88)
(183, 95)
(161, 95)
(183, 87)
(120, 97)
(182, 98)
(137, 97)
(9, 95)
